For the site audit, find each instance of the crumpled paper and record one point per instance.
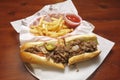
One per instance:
(22, 26)
(85, 68)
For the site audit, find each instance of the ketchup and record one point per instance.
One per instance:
(73, 18)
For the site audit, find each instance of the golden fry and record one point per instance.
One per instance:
(54, 19)
(41, 20)
(33, 31)
(54, 28)
(52, 34)
(63, 31)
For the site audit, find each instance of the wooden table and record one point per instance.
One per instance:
(104, 14)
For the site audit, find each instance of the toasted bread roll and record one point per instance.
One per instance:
(89, 42)
(83, 57)
(61, 52)
(36, 59)
(30, 57)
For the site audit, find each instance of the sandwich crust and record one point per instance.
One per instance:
(83, 57)
(36, 59)
(30, 57)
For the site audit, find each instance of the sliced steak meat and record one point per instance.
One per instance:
(88, 46)
(60, 56)
(62, 53)
(77, 47)
(34, 49)
(38, 50)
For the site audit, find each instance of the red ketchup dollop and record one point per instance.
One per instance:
(72, 20)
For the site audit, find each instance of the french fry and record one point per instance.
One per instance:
(54, 28)
(33, 31)
(52, 34)
(41, 20)
(54, 19)
(63, 31)
(57, 23)
(60, 26)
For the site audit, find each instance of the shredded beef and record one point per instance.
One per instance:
(84, 46)
(34, 49)
(60, 56)
(62, 53)
(88, 46)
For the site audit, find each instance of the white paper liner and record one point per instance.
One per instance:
(85, 68)
(22, 26)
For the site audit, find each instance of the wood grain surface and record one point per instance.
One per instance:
(104, 14)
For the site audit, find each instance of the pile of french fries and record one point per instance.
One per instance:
(54, 28)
